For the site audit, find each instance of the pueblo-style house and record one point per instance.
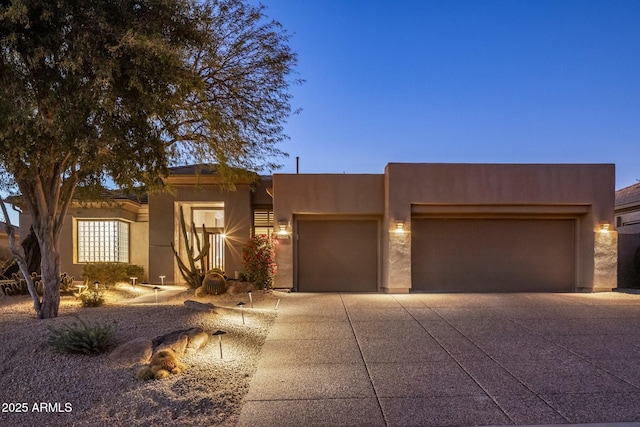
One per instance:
(417, 227)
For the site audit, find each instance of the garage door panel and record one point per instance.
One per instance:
(492, 255)
(337, 255)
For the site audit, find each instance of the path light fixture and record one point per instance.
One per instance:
(80, 288)
(155, 288)
(219, 333)
(250, 298)
(133, 281)
(96, 284)
(241, 305)
(162, 280)
(277, 304)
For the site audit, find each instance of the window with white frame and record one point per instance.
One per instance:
(103, 241)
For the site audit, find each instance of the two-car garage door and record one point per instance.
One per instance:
(492, 255)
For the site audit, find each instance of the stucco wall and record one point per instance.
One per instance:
(126, 211)
(580, 190)
(577, 191)
(322, 194)
(165, 226)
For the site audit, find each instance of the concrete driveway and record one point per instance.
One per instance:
(449, 359)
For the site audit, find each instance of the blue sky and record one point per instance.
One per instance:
(463, 81)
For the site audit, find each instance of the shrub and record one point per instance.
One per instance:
(108, 273)
(259, 261)
(92, 298)
(81, 337)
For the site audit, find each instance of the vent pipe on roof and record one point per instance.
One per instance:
(297, 165)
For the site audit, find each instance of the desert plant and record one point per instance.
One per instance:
(214, 282)
(19, 285)
(108, 273)
(259, 261)
(196, 251)
(92, 298)
(81, 337)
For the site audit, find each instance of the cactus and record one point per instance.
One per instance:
(214, 282)
(19, 285)
(190, 272)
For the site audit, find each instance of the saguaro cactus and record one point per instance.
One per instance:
(196, 251)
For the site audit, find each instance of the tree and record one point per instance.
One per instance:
(121, 90)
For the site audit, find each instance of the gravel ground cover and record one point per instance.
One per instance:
(39, 386)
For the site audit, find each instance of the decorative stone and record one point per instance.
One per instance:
(199, 306)
(235, 288)
(181, 342)
(138, 350)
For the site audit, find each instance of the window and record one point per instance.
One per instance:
(103, 241)
(262, 222)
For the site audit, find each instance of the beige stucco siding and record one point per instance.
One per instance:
(347, 196)
(165, 225)
(581, 193)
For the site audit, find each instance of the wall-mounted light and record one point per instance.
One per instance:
(399, 227)
(604, 227)
(283, 229)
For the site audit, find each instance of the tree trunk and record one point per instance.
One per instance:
(31, 251)
(50, 270)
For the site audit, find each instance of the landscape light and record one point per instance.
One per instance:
(241, 305)
(133, 280)
(250, 298)
(155, 288)
(162, 280)
(219, 333)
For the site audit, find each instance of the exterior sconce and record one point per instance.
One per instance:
(399, 227)
(283, 231)
(604, 227)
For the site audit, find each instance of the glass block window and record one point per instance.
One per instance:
(262, 222)
(103, 241)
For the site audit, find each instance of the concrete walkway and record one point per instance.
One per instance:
(449, 360)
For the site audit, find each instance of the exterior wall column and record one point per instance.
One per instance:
(397, 259)
(605, 257)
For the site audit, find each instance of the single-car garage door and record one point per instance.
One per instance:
(337, 255)
(492, 255)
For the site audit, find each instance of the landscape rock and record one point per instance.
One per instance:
(138, 350)
(181, 342)
(199, 306)
(234, 288)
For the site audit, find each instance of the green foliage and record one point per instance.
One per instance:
(196, 251)
(108, 273)
(92, 298)
(82, 337)
(258, 256)
(116, 91)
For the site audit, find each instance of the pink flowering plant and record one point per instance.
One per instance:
(259, 261)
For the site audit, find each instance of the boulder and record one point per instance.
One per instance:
(138, 350)
(181, 342)
(199, 306)
(235, 288)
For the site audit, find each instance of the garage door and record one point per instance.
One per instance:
(337, 255)
(492, 255)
